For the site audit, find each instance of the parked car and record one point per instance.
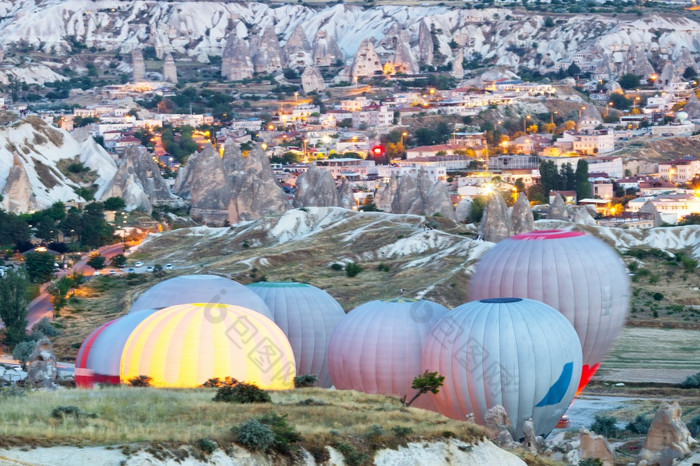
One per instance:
(112, 272)
(139, 264)
(97, 273)
(149, 268)
(168, 266)
(131, 270)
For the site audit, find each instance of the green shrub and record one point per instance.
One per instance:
(286, 437)
(605, 425)
(658, 296)
(352, 269)
(640, 425)
(352, 457)
(692, 381)
(23, 351)
(337, 266)
(590, 462)
(254, 435)
(305, 381)
(383, 267)
(242, 393)
(217, 382)
(694, 426)
(207, 445)
(374, 432)
(141, 381)
(401, 432)
(45, 327)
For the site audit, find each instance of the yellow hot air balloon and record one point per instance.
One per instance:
(183, 346)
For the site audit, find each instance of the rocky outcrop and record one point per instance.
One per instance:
(316, 188)
(637, 62)
(138, 181)
(297, 50)
(650, 208)
(345, 196)
(692, 107)
(169, 69)
(529, 437)
(595, 446)
(407, 199)
(232, 188)
(425, 44)
(668, 437)
(17, 193)
(522, 220)
(582, 216)
(463, 210)
(41, 367)
(366, 62)
(457, 71)
(495, 225)
(438, 201)
(312, 81)
(236, 64)
(403, 60)
(557, 209)
(139, 66)
(590, 118)
(384, 196)
(325, 49)
(267, 54)
(497, 425)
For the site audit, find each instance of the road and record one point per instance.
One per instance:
(41, 306)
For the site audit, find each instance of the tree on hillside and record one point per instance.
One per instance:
(629, 81)
(39, 266)
(114, 203)
(96, 261)
(567, 177)
(424, 383)
(14, 299)
(96, 231)
(690, 73)
(583, 186)
(549, 177)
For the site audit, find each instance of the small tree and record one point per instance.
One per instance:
(96, 261)
(158, 270)
(605, 425)
(114, 203)
(352, 269)
(14, 300)
(39, 266)
(424, 383)
(118, 261)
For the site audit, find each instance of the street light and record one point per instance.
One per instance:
(607, 109)
(551, 117)
(403, 135)
(525, 123)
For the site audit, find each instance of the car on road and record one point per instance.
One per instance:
(112, 272)
(149, 268)
(139, 264)
(131, 270)
(97, 273)
(168, 266)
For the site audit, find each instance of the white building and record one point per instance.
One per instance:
(684, 129)
(387, 171)
(679, 171)
(348, 166)
(672, 207)
(378, 115)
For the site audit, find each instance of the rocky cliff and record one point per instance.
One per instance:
(236, 63)
(417, 195)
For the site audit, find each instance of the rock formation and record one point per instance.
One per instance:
(685, 60)
(345, 197)
(267, 54)
(496, 422)
(582, 216)
(692, 107)
(438, 201)
(41, 368)
(312, 81)
(138, 181)
(463, 209)
(457, 68)
(596, 446)
(236, 63)
(403, 60)
(407, 199)
(325, 49)
(231, 188)
(637, 62)
(425, 44)
(139, 65)
(529, 437)
(495, 225)
(522, 219)
(418, 195)
(169, 69)
(366, 62)
(668, 437)
(316, 188)
(557, 209)
(297, 50)
(384, 196)
(2, 54)
(17, 193)
(650, 208)
(590, 118)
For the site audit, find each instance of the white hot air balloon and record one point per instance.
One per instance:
(518, 353)
(308, 316)
(189, 289)
(377, 347)
(575, 273)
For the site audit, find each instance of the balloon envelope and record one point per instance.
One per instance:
(518, 353)
(308, 316)
(577, 274)
(377, 347)
(185, 345)
(199, 289)
(100, 355)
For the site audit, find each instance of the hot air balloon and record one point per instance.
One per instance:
(575, 273)
(308, 316)
(199, 289)
(99, 356)
(518, 353)
(376, 347)
(185, 345)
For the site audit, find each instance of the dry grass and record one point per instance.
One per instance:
(46, 177)
(85, 177)
(129, 415)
